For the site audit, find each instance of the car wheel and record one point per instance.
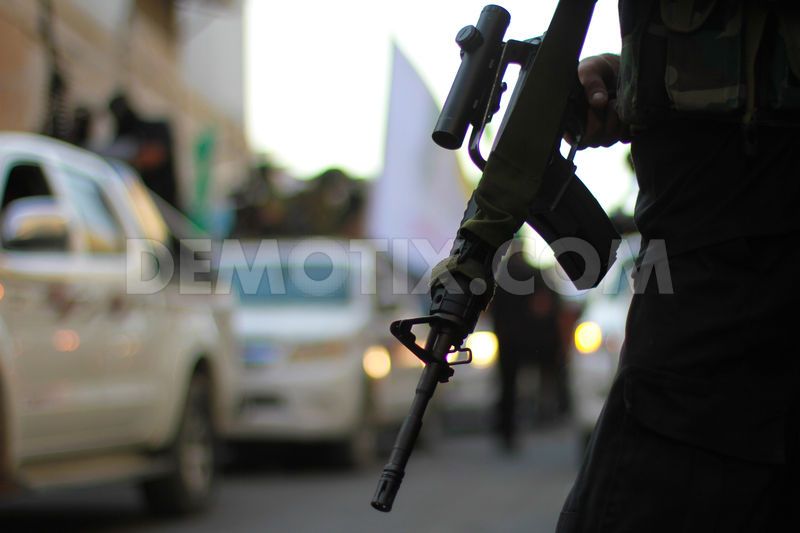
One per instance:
(187, 487)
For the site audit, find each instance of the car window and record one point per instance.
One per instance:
(147, 213)
(150, 220)
(27, 179)
(295, 285)
(103, 229)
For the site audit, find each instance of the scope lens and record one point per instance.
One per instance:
(446, 140)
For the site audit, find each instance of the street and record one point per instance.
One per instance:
(462, 485)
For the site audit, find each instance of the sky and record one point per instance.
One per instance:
(317, 78)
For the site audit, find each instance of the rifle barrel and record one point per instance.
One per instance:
(393, 472)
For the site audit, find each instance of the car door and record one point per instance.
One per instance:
(46, 311)
(123, 330)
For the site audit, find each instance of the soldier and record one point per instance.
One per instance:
(526, 323)
(700, 429)
(151, 146)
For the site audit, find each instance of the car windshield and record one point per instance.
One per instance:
(280, 285)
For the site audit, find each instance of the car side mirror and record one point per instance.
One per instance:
(34, 223)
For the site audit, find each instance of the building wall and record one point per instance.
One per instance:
(104, 49)
(211, 44)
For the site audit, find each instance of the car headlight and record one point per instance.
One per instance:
(403, 358)
(377, 362)
(588, 337)
(484, 348)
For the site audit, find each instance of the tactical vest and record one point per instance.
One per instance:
(724, 60)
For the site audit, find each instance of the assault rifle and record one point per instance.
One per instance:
(525, 179)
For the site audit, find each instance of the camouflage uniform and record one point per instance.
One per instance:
(700, 431)
(690, 59)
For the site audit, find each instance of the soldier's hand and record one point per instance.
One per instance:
(598, 75)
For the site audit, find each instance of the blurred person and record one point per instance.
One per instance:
(700, 429)
(525, 315)
(260, 205)
(147, 145)
(332, 205)
(547, 327)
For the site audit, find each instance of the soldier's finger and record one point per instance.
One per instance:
(592, 75)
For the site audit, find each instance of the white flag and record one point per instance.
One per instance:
(421, 193)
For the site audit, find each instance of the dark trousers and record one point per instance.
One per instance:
(700, 429)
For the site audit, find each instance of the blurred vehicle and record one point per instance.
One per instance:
(318, 362)
(101, 378)
(597, 339)
(467, 402)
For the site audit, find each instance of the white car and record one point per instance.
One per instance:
(597, 339)
(319, 364)
(98, 381)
